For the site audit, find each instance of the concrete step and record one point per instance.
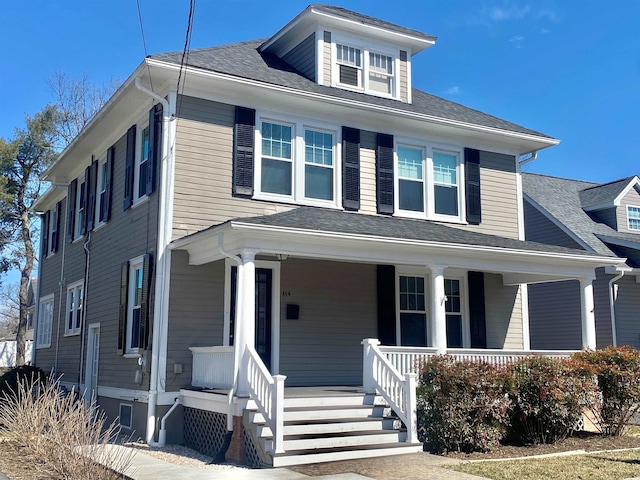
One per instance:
(304, 457)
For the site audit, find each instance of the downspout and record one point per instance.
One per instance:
(87, 248)
(164, 232)
(36, 312)
(612, 307)
(162, 435)
(62, 281)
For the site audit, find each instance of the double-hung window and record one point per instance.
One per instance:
(136, 277)
(349, 60)
(453, 308)
(45, 322)
(81, 204)
(75, 299)
(381, 73)
(428, 182)
(142, 163)
(633, 218)
(297, 163)
(368, 69)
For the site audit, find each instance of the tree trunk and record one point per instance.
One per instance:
(25, 274)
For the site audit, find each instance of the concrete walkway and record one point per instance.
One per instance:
(147, 467)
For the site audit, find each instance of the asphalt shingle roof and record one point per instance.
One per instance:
(365, 19)
(244, 60)
(336, 221)
(561, 197)
(603, 193)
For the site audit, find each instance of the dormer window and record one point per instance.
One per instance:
(372, 71)
(633, 218)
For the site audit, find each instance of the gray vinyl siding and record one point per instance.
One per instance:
(631, 254)
(538, 228)
(303, 57)
(604, 334)
(631, 198)
(337, 311)
(127, 235)
(610, 216)
(499, 196)
(203, 172)
(326, 59)
(555, 316)
(627, 308)
(196, 313)
(404, 81)
(503, 312)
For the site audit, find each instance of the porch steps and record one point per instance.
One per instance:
(333, 427)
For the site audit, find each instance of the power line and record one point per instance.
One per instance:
(144, 43)
(185, 53)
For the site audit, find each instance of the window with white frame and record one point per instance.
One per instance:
(136, 282)
(412, 311)
(45, 322)
(142, 163)
(428, 182)
(75, 300)
(53, 231)
(633, 218)
(102, 184)
(81, 204)
(365, 69)
(297, 163)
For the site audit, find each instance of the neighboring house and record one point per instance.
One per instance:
(257, 231)
(600, 218)
(8, 345)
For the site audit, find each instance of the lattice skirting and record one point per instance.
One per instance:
(204, 431)
(253, 455)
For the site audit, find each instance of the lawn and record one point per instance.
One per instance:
(601, 466)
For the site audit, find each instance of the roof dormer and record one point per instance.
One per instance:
(344, 49)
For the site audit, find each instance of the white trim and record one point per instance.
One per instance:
(629, 229)
(134, 264)
(123, 393)
(558, 223)
(38, 332)
(77, 322)
(102, 163)
(520, 203)
(320, 56)
(141, 126)
(635, 182)
(526, 332)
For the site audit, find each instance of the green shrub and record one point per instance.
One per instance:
(618, 372)
(462, 406)
(548, 398)
(10, 381)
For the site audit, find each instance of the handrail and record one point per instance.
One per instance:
(398, 390)
(268, 394)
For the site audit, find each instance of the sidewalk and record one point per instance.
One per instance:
(405, 467)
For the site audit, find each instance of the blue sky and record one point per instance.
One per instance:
(567, 69)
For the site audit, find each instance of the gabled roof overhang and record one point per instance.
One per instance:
(516, 265)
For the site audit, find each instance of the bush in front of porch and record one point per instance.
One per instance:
(463, 406)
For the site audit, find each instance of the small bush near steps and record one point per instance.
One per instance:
(617, 370)
(463, 406)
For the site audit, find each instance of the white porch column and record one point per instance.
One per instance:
(245, 326)
(437, 309)
(588, 314)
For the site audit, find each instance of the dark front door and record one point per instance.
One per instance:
(263, 314)
(263, 311)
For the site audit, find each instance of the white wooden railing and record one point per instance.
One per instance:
(268, 394)
(212, 367)
(408, 359)
(398, 390)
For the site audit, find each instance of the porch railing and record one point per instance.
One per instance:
(212, 367)
(408, 359)
(398, 390)
(268, 394)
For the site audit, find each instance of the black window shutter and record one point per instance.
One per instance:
(477, 316)
(386, 281)
(84, 199)
(90, 207)
(384, 173)
(472, 173)
(145, 302)
(122, 315)
(55, 239)
(129, 165)
(243, 151)
(155, 147)
(105, 206)
(350, 168)
(46, 219)
(71, 209)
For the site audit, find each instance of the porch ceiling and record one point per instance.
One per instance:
(336, 235)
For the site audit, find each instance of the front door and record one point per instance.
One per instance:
(93, 349)
(264, 284)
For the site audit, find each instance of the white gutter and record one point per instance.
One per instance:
(526, 160)
(163, 262)
(236, 354)
(612, 307)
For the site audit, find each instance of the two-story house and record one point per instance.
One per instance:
(598, 218)
(264, 249)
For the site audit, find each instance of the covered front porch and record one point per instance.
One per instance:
(304, 288)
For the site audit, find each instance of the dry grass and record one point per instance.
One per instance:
(603, 466)
(60, 434)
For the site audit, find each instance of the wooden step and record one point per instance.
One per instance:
(338, 426)
(303, 414)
